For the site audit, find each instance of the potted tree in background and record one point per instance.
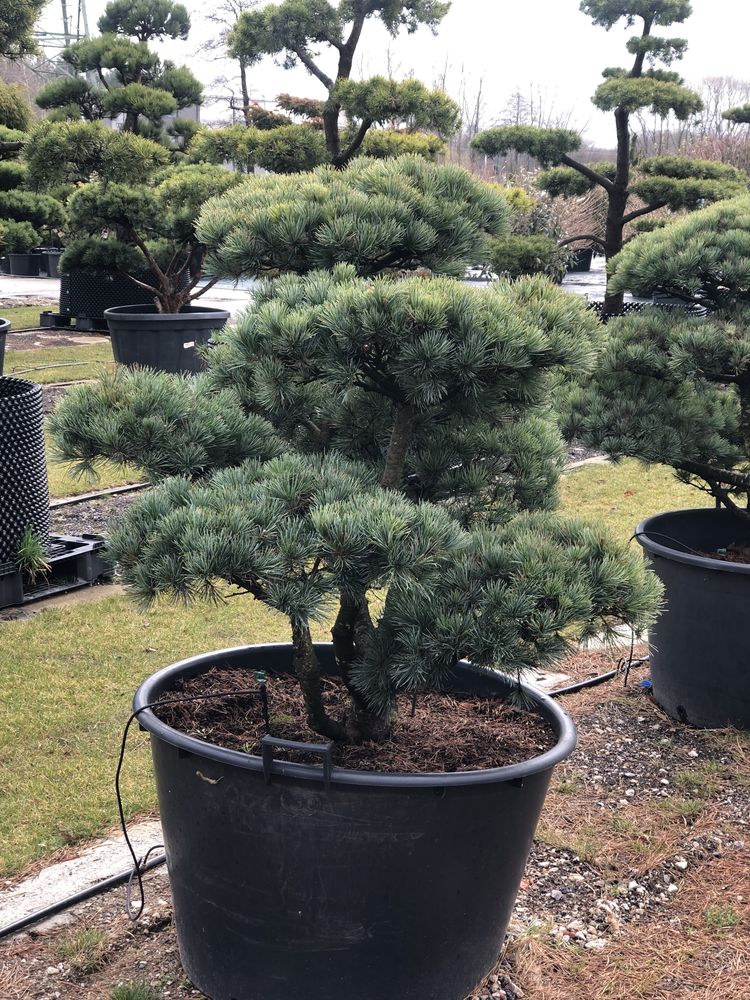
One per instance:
(131, 236)
(677, 391)
(398, 514)
(657, 182)
(126, 229)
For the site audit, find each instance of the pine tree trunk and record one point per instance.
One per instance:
(331, 130)
(616, 206)
(401, 432)
(307, 670)
(352, 622)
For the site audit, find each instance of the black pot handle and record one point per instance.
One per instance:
(270, 743)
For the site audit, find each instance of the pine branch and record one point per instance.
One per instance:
(593, 175)
(638, 212)
(343, 158)
(316, 71)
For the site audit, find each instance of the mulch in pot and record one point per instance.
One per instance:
(731, 553)
(445, 733)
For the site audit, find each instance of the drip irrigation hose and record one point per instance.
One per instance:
(83, 497)
(140, 865)
(78, 897)
(600, 679)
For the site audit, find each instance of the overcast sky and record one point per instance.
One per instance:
(509, 44)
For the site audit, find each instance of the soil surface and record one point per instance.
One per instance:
(435, 732)
(638, 883)
(32, 340)
(732, 553)
(92, 517)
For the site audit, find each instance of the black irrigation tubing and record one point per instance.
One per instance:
(83, 497)
(78, 897)
(599, 679)
(62, 364)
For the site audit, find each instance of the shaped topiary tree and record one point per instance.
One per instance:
(658, 182)
(676, 390)
(131, 79)
(673, 390)
(388, 394)
(295, 29)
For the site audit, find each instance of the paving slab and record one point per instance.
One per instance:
(95, 863)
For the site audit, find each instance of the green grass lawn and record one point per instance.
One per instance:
(77, 361)
(66, 698)
(23, 317)
(63, 482)
(622, 495)
(67, 678)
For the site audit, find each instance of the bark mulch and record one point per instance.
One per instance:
(435, 732)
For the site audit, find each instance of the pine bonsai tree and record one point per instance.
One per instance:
(131, 79)
(658, 182)
(672, 389)
(146, 232)
(295, 28)
(409, 412)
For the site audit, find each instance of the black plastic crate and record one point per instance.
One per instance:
(74, 562)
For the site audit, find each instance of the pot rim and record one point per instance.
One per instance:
(148, 313)
(160, 681)
(21, 388)
(688, 558)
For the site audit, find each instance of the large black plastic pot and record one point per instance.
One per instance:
(581, 260)
(4, 331)
(297, 880)
(165, 341)
(51, 262)
(700, 653)
(24, 492)
(89, 295)
(24, 265)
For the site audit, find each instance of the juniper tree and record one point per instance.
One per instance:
(657, 182)
(674, 389)
(131, 79)
(295, 29)
(409, 412)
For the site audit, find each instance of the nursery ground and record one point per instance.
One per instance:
(67, 686)
(638, 884)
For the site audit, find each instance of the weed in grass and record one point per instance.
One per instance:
(686, 809)
(31, 554)
(134, 991)
(569, 784)
(84, 949)
(700, 782)
(585, 844)
(721, 918)
(620, 824)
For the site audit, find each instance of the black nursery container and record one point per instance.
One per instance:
(24, 491)
(699, 647)
(165, 341)
(4, 331)
(316, 882)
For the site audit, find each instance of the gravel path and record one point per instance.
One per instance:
(91, 517)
